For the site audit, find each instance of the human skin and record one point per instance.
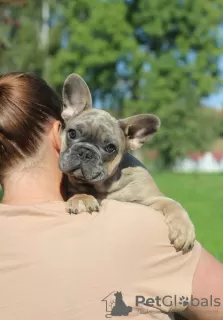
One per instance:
(39, 180)
(207, 281)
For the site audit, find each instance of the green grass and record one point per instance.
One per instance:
(202, 197)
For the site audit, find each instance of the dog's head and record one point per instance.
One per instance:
(93, 142)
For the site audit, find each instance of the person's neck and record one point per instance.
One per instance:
(33, 186)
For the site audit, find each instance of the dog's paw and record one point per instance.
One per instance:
(82, 203)
(181, 231)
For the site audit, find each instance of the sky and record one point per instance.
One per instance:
(215, 101)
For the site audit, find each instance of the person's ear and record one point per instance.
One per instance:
(57, 130)
(76, 96)
(138, 129)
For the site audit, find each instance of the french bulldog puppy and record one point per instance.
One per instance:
(94, 155)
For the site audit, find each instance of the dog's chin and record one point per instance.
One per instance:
(89, 178)
(97, 178)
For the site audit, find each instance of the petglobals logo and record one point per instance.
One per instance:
(172, 301)
(115, 306)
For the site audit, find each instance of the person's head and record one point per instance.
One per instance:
(30, 116)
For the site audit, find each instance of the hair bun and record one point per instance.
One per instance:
(27, 105)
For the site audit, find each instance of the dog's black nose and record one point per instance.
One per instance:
(85, 153)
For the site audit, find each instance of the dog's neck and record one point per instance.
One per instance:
(106, 186)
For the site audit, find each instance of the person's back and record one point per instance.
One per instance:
(59, 266)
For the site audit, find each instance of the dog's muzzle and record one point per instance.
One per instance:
(84, 157)
(86, 154)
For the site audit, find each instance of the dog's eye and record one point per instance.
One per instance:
(110, 148)
(72, 134)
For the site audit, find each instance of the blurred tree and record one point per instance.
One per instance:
(183, 45)
(28, 35)
(22, 49)
(147, 56)
(96, 40)
(136, 55)
(220, 118)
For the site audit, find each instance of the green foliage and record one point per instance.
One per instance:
(25, 48)
(136, 55)
(182, 41)
(183, 46)
(220, 119)
(22, 52)
(98, 38)
(184, 127)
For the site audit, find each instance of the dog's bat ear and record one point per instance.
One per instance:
(138, 129)
(76, 96)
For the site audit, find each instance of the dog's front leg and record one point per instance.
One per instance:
(181, 229)
(137, 185)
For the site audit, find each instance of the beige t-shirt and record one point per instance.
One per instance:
(56, 266)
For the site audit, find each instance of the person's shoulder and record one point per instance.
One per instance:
(130, 210)
(129, 216)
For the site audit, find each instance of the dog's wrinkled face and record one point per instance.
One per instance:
(93, 142)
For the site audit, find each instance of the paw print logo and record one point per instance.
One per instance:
(184, 301)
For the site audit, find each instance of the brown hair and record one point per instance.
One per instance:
(27, 103)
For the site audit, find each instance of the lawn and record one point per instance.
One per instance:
(202, 196)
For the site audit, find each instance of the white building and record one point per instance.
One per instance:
(200, 162)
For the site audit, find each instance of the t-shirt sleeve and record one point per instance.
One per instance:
(158, 271)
